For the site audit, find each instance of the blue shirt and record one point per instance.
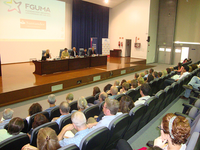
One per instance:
(49, 109)
(76, 139)
(4, 123)
(58, 120)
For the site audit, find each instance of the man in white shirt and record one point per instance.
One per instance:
(144, 92)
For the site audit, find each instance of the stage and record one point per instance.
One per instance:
(18, 83)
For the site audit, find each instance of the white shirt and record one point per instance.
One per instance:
(141, 100)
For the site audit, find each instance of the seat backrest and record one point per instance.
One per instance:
(137, 94)
(70, 147)
(94, 140)
(61, 50)
(73, 105)
(81, 50)
(53, 125)
(131, 93)
(117, 128)
(96, 97)
(91, 111)
(161, 97)
(64, 121)
(118, 97)
(69, 51)
(194, 142)
(55, 112)
(101, 106)
(90, 99)
(31, 120)
(168, 95)
(15, 142)
(123, 145)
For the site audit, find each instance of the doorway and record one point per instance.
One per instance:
(164, 55)
(180, 54)
(128, 48)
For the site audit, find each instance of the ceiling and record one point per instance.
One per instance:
(111, 3)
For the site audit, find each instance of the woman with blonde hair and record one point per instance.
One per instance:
(46, 140)
(82, 103)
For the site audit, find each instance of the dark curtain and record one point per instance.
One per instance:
(89, 20)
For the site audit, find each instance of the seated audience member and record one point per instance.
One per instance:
(194, 84)
(126, 104)
(159, 74)
(151, 71)
(146, 73)
(65, 54)
(92, 52)
(39, 119)
(164, 73)
(190, 69)
(82, 103)
(155, 74)
(64, 111)
(140, 81)
(113, 92)
(185, 60)
(144, 92)
(47, 54)
(78, 123)
(107, 88)
(183, 74)
(46, 140)
(194, 66)
(129, 82)
(102, 97)
(51, 100)
(7, 116)
(69, 97)
(116, 83)
(96, 90)
(84, 53)
(122, 81)
(142, 74)
(180, 68)
(74, 52)
(15, 126)
(35, 108)
(125, 88)
(134, 84)
(136, 76)
(168, 70)
(175, 131)
(110, 110)
(150, 78)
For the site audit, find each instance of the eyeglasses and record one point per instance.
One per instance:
(159, 127)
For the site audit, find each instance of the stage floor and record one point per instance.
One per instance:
(18, 82)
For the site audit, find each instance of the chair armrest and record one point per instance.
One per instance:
(183, 115)
(192, 99)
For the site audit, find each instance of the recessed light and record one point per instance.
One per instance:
(106, 1)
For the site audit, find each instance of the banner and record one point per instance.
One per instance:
(93, 43)
(105, 46)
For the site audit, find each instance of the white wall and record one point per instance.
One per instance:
(23, 51)
(129, 20)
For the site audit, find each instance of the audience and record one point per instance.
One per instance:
(116, 83)
(151, 71)
(140, 81)
(51, 100)
(96, 90)
(107, 88)
(126, 104)
(150, 78)
(125, 88)
(113, 92)
(159, 74)
(64, 111)
(122, 81)
(134, 84)
(15, 127)
(82, 103)
(136, 76)
(168, 70)
(175, 131)
(46, 140)
(142, 74)
(35, 108)
(146, 73)
(155, 74)
(7, 116)
(78, 123)
(144, 92)
(69, 97)
(102, 97)
(164, 73)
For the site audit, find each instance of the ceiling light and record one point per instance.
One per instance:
(106, 1)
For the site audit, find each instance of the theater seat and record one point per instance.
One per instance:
(131, 93)
(55, 112)
(161, 97)
(95, 140)
(53, 125)
(118, 97)
(15, 142)
(117, 128)
(91, 111)
(194, 142)
(168, 95)
(64, 121)
(96, 97)
(69, 147)
(123, 145)
(90, 99)
(137, 94)
(73, 106)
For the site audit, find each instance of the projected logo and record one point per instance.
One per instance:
(13, 5)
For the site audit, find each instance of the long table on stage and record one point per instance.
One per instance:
(52, 66)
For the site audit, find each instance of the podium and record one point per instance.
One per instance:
(115, 53)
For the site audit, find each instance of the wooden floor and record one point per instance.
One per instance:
(18, 83)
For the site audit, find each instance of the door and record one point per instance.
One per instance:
(128, 48)
(164, 55)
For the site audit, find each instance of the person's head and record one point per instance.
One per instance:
(134, 83)
(113, 90)
(159, 74)
(74, 48)
(85, 50)
(52, 99)
(126, 104)
(102, 96)
(15, 126)
(78, 120)
(39, 119)
(111, 107)
(185, 68)
(164, 72)
(145, 89)
(65, 49)
(140, 81)
(142, 74)
(168, 70)
(122, 81)
(47, 51)
(175, 128)
(155, 74)
(150, 78)
(70, 97)
(96, 90)
(136, 75)
(8, 113)
(47, 139)
(35, 108)
(82, 103)
(107, 87)
(116, 83)
(179, 65)
(151, 70)
(93, 49)
(125, 86)
(64, 107)
(146, 72)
